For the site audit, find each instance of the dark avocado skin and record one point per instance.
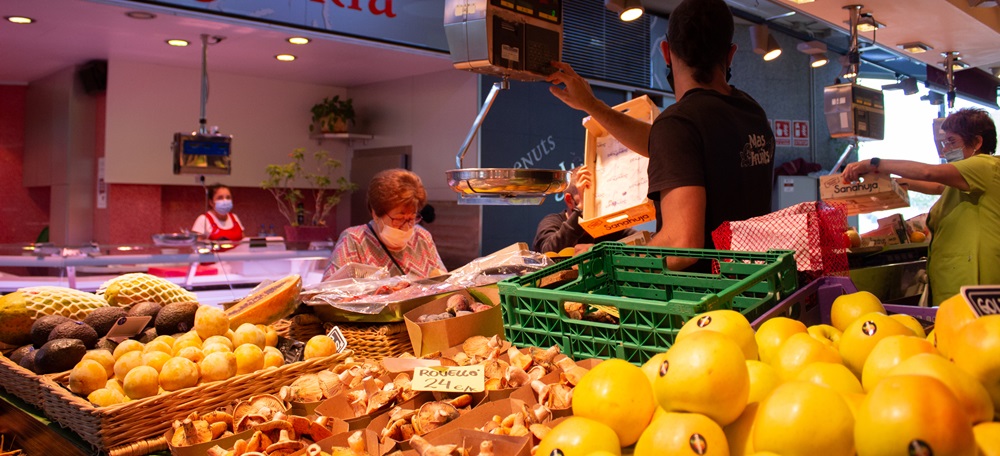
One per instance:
(75, 330)
(146, 309)
(16, 355)
(43, 326)
(176, 318)
(103, 318)
(28, 360)
(58, 355)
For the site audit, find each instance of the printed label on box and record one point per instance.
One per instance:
(450, 379)
(984, 299)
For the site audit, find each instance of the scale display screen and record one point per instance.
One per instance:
(202, 154)
(549, 10)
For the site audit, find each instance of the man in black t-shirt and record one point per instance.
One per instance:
(711, 154)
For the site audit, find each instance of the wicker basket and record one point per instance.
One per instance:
(22, 382)
(137, 425)
(375, 341)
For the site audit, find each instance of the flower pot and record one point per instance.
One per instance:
(299, 237)
(331, 124)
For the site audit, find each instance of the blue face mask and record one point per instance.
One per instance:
(223, 206)
(954, 155)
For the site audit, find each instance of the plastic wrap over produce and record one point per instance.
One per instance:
(372, 292)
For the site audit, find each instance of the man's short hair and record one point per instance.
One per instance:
(700, 33)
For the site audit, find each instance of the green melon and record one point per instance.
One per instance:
(18, 310)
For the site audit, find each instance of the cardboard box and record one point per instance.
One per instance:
(372, 445)
(873, 193)
(624, 197)
(471, 439)
(896, 222)
(442, 334)
(880, 237)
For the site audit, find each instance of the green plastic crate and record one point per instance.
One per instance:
(653, 302)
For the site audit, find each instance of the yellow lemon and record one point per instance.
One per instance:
(830, 375)
(849, 307)
(804, 418)
(977, 351)
(971, 394)
(763, 380)
(988, 438)
(773, 332)
(888, 353)
(861, 336)
(652, 367)
(579, 436)
(704, 373)
(739, 433)
(910, 322)
(617, 394)
(912, 414)
(728, 322)
(952, 315)
(826, 334)
(799, 351)
(682, 433)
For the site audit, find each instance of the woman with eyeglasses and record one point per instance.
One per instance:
(965, 221)
(393, 238)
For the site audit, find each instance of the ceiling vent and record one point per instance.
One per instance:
(601, 46)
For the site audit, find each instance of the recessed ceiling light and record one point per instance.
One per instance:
(19, 19)
(915, 47)
(801, 1)
(299, 40)
(178, 43)
(285, 57)
(143, 15)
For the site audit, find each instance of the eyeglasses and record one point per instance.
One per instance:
(411, 219)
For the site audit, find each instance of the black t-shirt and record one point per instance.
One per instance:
(721, 142)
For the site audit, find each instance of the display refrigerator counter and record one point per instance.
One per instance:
(212, 274)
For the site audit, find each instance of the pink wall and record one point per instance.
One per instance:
(24, 212)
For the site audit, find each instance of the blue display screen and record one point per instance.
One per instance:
(206, 147)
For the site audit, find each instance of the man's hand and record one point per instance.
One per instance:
(577, 93)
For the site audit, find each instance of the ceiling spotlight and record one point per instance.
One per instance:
(908, 85)
(934, 98)
(915, 47)
(818, 60)
(801, 1)
(983, 3)
(19, 19)
(299, 40)
(764, 43)
(816, 51)
(628, 10)
(285, 57)
(867, 23)
(142, 15)
(178, 43)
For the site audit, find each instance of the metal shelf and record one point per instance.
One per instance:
(349, 137)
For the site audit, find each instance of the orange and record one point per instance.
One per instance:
(918, 236)
(706, 373)
(888, 353)
(729, 322)
(854, 401)
(826, 334)
(912, 414)
(853, 238)
(579, 436)
(830, 375)
(849, 307)
(763, 380)
(652, 367)
(861, 336)
(617, 394)
(971, 394)
(952, 315)
(682, 433)
(739, 433)
(910, 322)
(801, 418)
(800, 350)
(977, 351)
(773, 332)
(988, 438)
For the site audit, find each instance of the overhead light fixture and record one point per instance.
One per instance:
(19, 19)
(816, 51)
(299, 40)
(934, 98)
(178, 43)
(915, 47)
(285, 57)
(141, 15)
(866, 22)
(983, 3)
(801, 1)
(764, 43)
(907, 84)
(954, 60)
(628, 10)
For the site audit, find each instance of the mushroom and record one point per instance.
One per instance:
(424, 448)
(519, 358)
(486, 448)
(433, 415)
(284, 443)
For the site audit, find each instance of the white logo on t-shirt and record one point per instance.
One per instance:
(755, 152)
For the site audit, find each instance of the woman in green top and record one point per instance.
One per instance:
(965, 221)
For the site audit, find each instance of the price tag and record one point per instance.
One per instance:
(338, 338)
(984, 299)
(451, 379)
(127, 327)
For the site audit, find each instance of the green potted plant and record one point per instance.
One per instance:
(306, 209)
(332, 115)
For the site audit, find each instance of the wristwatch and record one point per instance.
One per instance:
(874, 163)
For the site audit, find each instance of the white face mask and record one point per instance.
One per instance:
(954, 155)
(223, 206)
(394, 238)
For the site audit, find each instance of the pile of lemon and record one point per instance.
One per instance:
(869, 384)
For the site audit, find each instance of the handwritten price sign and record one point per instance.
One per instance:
(460, 379)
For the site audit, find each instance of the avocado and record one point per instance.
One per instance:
(146, 309)
(58, 355)
(41, 328)
(75, 330)
(106, 344)
(16, 355)
(146, 336)
(176, 318)
(102, 319)
(28, 360)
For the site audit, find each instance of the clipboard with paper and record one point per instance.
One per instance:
(617, 200)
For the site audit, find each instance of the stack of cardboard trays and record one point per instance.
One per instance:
(874, 192)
